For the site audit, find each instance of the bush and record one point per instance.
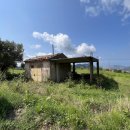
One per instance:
(5, 108)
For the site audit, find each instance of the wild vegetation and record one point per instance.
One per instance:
(10, 52)
(28, 105)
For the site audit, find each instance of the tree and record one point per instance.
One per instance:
(10, 52)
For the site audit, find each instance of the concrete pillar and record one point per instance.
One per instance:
(91, 71)
(73, 67)
(57, 73)
(98, 68)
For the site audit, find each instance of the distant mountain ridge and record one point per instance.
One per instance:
(120, 67)
(82, 65)
(113, 67)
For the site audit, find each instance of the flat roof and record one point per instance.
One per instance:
(75, 60)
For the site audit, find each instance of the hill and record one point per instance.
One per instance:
(119, 67)
(26, 105)
(82, 65)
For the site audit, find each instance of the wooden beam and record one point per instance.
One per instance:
(91, 71)
(74, 60)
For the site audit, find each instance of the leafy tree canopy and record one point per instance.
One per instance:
(10, 52)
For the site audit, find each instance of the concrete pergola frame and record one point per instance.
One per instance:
(89, 59)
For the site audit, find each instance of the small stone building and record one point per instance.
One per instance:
(41, 68)
(57, 67)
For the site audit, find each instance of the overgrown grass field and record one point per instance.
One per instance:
(28, 105)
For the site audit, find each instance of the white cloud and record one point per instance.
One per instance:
(84, 48)
(28, 56)
(42, 54)
(63, 43)
(36, 46)
(96, 7)
(60, 41)
(126, 11)
(85, 1)
(92, 11)
(126, 4)
(37, 35)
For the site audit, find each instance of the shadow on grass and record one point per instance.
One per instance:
(107, 83)
(101, 81)
(5, 108)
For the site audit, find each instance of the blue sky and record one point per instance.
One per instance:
(75, 27)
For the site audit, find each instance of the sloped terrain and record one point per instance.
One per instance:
(28, 105)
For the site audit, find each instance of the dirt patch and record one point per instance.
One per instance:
(16, 114)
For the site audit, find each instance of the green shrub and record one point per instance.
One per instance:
(5, 107)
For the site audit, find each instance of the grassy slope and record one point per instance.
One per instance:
(69, 105)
